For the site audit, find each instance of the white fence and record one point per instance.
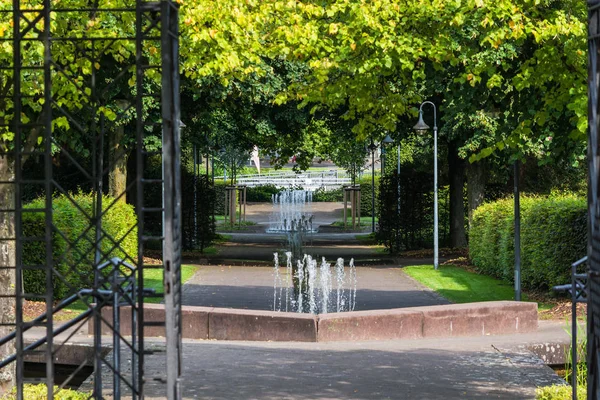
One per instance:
(308, 180)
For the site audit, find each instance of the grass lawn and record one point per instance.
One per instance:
(364, 221)
(226, 227)
(366, 239)
(461, 286)
(210, 250)
(153, 279)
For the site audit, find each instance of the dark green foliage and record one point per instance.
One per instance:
(73, 242)
(200, 233)
(553, 235)
(206, 199)
(388, 230)
(261, 194)
(323, 195)
(492, 230)
(415, 222)
(219, 198)
(366, 195)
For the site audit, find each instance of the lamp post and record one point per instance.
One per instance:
(372, 148)
(398, 205)
(387, 140)
(421, 126)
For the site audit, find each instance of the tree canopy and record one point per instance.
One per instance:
(508, 74)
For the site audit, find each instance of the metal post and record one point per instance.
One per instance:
(517, 234)
(421, 126)
(436, 261)
(373, 190)
(574, 346)
(357, 189)
(353, 207)
(196, 173)
(345, 207)
(398, 206)
(171, 125)
(17, 62)
(593, 247)
(239, 193)
(116, 334)
(212, 168)
(207, 166)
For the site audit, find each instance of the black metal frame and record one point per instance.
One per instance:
(579, 291)
(593, 319)
(117, 282)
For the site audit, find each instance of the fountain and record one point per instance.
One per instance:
(291, 209)
(305, 286)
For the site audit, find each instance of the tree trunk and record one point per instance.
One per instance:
(458, 236)
(7, 276)
(117, 160)
(475, 186)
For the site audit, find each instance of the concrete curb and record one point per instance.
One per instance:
(471, 319)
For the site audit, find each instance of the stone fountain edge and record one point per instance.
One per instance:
(469, 319)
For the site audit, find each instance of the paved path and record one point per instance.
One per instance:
(252, 288)
(488, 367)
(324, 213)
(492, 367)
(256, 246)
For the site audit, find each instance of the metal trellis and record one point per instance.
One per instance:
(69, 87)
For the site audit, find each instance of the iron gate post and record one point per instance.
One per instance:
(593, 320)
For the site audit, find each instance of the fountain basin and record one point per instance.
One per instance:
(470, 319)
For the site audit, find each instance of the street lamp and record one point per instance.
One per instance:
(387, 140)
(372, 147)
(398, 205)
(422, 127)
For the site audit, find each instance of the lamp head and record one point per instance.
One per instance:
(387, 140)
(372, 146)
(421, 126)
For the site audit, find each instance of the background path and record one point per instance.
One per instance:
(324, 213)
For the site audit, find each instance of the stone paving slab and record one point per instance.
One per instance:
(477, 368)
(485, 367)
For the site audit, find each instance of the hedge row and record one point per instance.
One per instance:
(553, 235)
(261, 194)
(73, 242)
(264, 194)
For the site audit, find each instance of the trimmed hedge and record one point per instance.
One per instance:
(204, 230)
(219, 189)
(323, 195)
(553, 235)
(261, 194)
(412, 228)
(73, 258)
(366, 192)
